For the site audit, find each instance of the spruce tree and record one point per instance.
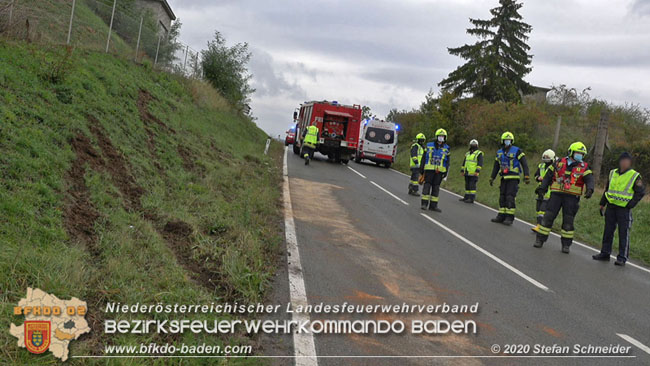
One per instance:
(497, 63)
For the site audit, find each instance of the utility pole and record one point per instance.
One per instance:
(11, 12)
(110, 27)
(556, 139)
(157, 49)
(74, 2)
(601, 139)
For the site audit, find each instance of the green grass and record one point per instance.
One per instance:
(229, 195)
(588, 224)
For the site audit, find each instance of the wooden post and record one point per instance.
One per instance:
(556, 139)
(74, 2)
(601, 139)
(110, 27)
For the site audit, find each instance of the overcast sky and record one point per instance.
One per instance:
(388, 54)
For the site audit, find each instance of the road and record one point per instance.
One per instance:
(362, 239)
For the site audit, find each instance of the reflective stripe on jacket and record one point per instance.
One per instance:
(508, 159)
(311, 138)
(415, 158)
(471, 162)
(567, 180)
(436, 158)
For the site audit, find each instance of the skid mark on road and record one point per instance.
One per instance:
(315, 204)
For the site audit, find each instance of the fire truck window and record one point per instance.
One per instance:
(380, 136)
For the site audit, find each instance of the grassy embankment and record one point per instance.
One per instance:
(589, 223)
(124, 184)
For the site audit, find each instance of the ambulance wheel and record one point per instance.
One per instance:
(387, 165)
(296, 149)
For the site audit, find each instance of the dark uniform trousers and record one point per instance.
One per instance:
(415, 175)
(569, 203)
(307, 150)
(470, 186)
(541, 205)
(621, 217)
(507, 194)
(431, 188)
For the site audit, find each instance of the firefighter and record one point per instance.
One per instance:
(309, 143)
(470, 169)
(417, 150)
(623, 191)
(548, 158)
(434, 166)
(567, 179)
(510, 163)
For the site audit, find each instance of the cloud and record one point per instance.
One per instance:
(641, 7)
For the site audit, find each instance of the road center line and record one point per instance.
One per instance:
(531, 225)
(633, 341)
(490, 255)
(392, 195)
(359, 174)
(303, 343)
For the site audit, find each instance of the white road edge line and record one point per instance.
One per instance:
(392, 195)
(303, 343)
(531, 225)
(359, 174)
(490, 255)
(633, 341)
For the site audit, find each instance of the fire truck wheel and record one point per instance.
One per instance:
(344, 161)
(296, 149)
(387, 165)
(357, 159)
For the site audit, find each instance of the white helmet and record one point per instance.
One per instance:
(474, 142)
(548, 156)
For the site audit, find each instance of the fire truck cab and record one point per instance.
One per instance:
(378, 142)
(338, 128)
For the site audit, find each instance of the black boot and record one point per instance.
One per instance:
(463, 199)
(434, 207)
(509, 220)
(601, 257)
(424, 205)
(538, 242)
(499, 219)
(565, 249)
(470, 199)
(307, 161)
(619, 263)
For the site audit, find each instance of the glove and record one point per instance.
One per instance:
(421, 179)
(527, 179)
(602, 210)
(491, 182)
(589, 193)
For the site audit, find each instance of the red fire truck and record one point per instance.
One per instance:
(338, 127)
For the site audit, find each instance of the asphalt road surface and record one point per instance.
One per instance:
(363, 240)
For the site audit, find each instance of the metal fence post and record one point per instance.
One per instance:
(74, 2)
(157, 49)
(11, 11)
(187, 48)
(110, 27)
(137, 45)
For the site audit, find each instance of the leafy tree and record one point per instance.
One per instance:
(226, 69)
(497, 63)
(366, 112)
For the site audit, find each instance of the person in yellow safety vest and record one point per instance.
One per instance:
(309, 143)
(510, 162)
(623, 191)
(417, 150)
(470, 169)
(567, 179)
(548, 158)
(434, 166)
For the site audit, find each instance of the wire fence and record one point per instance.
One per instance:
(119, 27)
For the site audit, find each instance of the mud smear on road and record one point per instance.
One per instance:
(316, 204)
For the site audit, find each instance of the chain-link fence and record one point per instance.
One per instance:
(119, 27)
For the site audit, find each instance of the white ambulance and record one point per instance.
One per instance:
(377, 142)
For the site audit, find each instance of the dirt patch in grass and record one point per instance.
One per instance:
(117, 167)
(178, 235)
(79, 214)
(143, 107)
(189, 159)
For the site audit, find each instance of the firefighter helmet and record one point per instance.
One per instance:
(441, 132)
(508, 136)
(420, 136)
(548, 156)
(577, 147)
(474, 142)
